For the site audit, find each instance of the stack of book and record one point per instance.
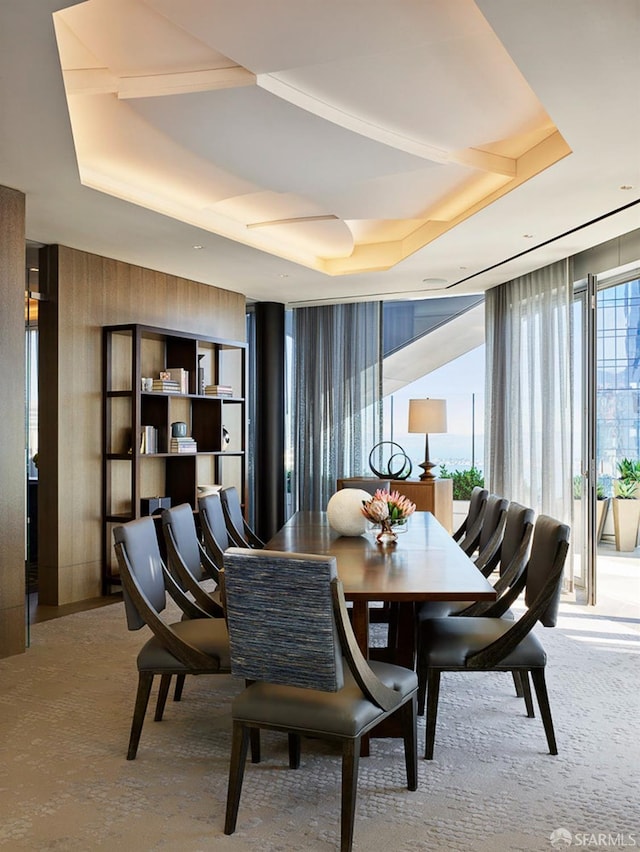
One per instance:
(149, 440)
(218, 390)
(166, 386)
(178, 374)
(183, 445)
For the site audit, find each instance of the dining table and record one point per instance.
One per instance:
(424, 564)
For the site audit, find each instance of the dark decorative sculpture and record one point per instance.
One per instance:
(403, 472)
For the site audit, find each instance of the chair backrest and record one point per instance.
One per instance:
(477, 502)
(179, 523)
(139, 558)
(368, 485)
(214, 527)
(516, 540)
(468, 534)
(494, 514)
(280, 618)
(544, 569)
(233, 516)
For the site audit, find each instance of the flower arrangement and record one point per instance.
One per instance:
(389, 509)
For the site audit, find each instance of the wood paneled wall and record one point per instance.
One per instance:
(84, 293)
(12, 411)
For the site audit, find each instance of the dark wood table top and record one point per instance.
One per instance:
(425, 564)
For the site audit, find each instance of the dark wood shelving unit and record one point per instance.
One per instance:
(132, 352)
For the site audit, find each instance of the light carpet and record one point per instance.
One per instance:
(66, 706)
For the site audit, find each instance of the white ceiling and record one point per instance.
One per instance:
(383, 123)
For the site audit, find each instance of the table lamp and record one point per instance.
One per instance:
(427, 415)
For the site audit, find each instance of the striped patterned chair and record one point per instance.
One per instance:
(289, 633)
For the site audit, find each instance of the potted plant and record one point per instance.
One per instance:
(464, 481)
(602, 509)
(626, 505)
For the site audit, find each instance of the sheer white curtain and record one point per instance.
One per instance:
(337, 413)
(529, 389)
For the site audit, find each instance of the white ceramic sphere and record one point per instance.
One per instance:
(344, 511)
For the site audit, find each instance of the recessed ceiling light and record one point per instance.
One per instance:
(528, 236)
(462, 267)
(197, 247)
(283, 275)
(626, 186)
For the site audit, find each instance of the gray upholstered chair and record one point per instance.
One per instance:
(239, 530)
(214, 528)
(513, 555)
(512, 559)
(188, 561)
(468, 533)
(289, 632)
(464, 644)
(197, 645)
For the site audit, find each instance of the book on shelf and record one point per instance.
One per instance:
(148, 440)
(218, 390)
(183, 445)
(178, 374)
(166, 386)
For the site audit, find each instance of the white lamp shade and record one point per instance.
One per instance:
(427, 415)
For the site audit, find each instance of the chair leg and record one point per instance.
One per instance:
(350, 763)
(433, 693)
(517, 683)
(177, 695)
(254, 738)
(239, 745)
(540, 686)
(526, 693)
(421, 671)
(294, 751)
(410, 735)
(165, 683)
(145, 680)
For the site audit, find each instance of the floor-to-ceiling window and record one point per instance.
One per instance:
(607, 429)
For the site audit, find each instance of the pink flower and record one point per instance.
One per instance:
(385, 504)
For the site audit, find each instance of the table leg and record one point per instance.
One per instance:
(360, 621)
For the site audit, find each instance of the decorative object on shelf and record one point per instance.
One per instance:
(398, 460)
(205, 490)
(344, 511)
(226, 438)
(389, 511)
(425, 416)
(179, 429)
(146, 384)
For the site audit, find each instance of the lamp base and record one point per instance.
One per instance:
(427, 467)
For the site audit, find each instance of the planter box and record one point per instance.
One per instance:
(626, 520)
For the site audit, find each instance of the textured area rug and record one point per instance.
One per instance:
(65, 712)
